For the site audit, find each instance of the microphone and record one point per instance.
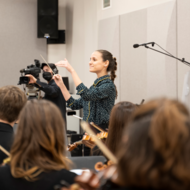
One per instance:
(137, 45)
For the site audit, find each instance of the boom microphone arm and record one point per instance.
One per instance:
(182, 60)
(167, 54)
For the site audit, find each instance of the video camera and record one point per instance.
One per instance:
(34, 69)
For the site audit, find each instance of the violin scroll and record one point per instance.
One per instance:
(71, 147)
(99, 166)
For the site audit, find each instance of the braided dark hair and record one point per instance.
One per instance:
(106, 55)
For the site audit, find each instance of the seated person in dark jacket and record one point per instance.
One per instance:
(12, 100)
(37, 158)
(52, 91)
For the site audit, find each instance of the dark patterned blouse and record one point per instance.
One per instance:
(97, 101)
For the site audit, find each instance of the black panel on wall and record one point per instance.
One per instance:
(48, 18)
(59, 40)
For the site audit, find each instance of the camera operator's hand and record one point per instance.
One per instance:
(32, 79)
(58, 80)
(65, 63)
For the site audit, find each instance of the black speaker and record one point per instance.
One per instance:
(48, 18)
(59, 40)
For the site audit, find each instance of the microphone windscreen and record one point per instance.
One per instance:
(136, 45)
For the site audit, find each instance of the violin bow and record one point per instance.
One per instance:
(77, 117)
(92, 123)
(47, 64)
(4, 151)
(99, 143)
(142, 101)
(97, 127)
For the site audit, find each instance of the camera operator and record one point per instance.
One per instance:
(52, 91)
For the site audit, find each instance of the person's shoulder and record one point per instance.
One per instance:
(5, 167)
(68, 173)
(4, 172)
(52, 82)
(6, 128)
(105, 82)
(64, 171)
(108, 83)
(64, 174)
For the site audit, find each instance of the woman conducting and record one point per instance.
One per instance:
(98, 100)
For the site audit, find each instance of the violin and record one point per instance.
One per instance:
(90, 180)
(93, 181)
(99, 166)
(88, 140)
(71, 147)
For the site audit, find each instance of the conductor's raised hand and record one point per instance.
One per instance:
(58, 80)
(32, 79)
(66, 64)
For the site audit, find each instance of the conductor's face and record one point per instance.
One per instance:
(96, 64)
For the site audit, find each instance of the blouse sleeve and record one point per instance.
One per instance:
(75, 104)
(96, 93)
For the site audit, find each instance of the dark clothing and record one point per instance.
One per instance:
(53, 94)
(95, 151)
(6, 139)
(103, 126)
(46, 181)
(109, 185)
(97, 101)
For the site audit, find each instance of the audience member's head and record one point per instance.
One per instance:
(39, 143)
(155, 148)
(12, 100)
(119, 117)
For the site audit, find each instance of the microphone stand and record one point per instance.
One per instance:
(182, 60)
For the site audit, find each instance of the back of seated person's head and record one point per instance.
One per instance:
(119, 117)
(12, 100)
(155, 148)
(39, 143)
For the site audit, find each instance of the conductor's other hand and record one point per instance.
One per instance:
(66, 64)
(58, 80)
(32, 79)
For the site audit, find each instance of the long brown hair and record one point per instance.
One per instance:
(119, 117)
(155, 147)
(39, 142)
(106, 55)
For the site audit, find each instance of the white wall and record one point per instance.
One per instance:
(162, 70)
(120, 7)
(109, 39)
(81, 37)
(183, 39)
(18, 39)
(166, 22)
(143, 73)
